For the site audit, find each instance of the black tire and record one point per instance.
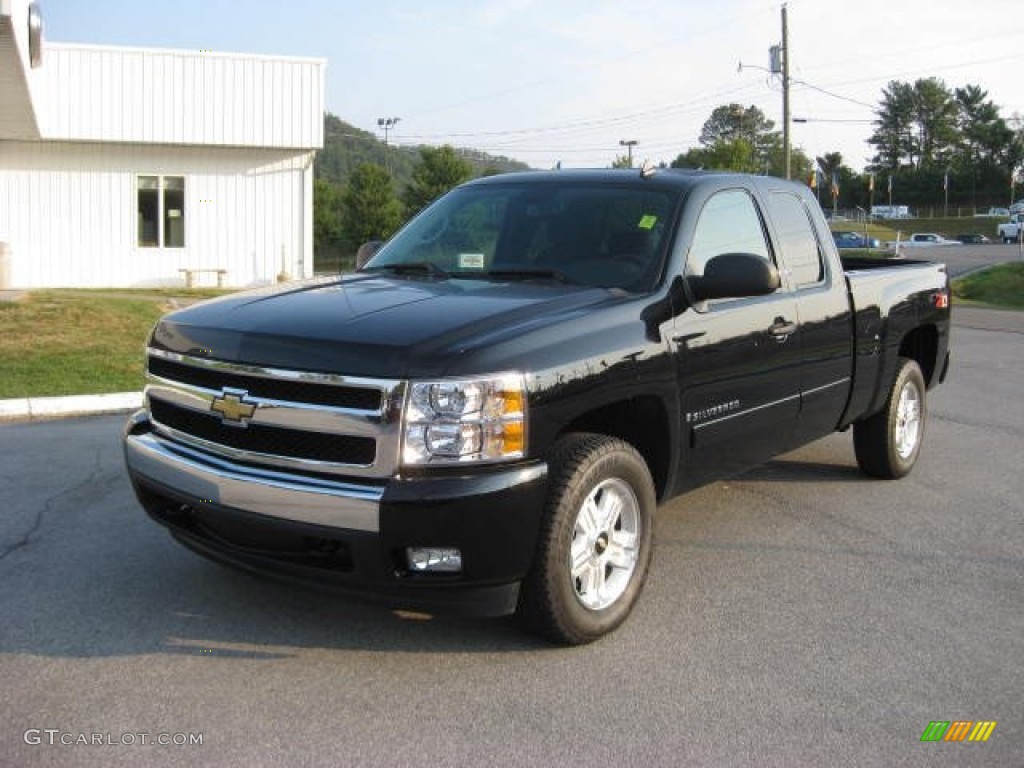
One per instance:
(577, 602)
(888, 444)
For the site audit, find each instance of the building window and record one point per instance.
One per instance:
(161, 211)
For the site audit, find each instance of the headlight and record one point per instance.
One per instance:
(465, 420)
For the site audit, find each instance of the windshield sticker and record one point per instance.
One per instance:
(648, 221)
(471, 261)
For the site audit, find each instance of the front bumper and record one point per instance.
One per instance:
(349, 536)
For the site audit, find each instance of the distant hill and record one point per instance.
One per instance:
(346, 147)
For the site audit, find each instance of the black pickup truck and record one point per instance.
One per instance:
(485, 416)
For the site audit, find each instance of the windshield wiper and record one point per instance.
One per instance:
(528, 273)
(412, 268)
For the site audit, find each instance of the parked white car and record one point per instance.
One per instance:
(996, 213)
(928, 239)
(1010, 231)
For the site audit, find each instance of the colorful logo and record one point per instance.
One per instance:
(958, 730)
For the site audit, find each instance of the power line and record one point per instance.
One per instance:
(645, 50)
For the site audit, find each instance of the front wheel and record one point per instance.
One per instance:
(594, 546)
(887, 444)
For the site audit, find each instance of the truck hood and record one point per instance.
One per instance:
(374, 325)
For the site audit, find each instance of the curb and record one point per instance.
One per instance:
(39, 408)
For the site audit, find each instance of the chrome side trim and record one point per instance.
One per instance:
(274, 494)
(840, 383)
(746, 412)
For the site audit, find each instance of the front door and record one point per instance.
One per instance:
(738, 359)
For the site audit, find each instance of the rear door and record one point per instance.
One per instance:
(737, 359)
(823, 306)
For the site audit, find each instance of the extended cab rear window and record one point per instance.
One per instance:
(800, 248)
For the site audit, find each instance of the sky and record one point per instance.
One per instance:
(565, 81)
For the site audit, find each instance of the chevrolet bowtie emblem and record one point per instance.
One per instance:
(232, 407)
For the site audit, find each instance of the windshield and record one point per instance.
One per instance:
(605, 236)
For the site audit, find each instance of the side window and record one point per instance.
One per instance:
(800, 249)
(728, 223)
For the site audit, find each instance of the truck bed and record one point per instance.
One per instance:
(900, 308)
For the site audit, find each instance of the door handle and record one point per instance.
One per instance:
(684, 338)
(782, 329)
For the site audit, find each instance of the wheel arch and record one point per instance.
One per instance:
(922, 345)
(643, 423)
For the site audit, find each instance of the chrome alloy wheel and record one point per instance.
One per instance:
(605, 544)
(908, 420)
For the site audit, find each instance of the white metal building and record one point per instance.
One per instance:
(125, 166)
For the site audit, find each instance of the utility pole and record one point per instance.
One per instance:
(785, 93)
(628, 144)
(779, 65)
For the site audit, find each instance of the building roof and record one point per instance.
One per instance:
(146, 95)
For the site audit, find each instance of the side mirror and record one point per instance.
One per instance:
(366, 251)
(734, 275)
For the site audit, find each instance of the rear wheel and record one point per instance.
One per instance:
(594, 546)
(887, 444)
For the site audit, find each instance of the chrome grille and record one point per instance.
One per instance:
(292, 390)
(294, 420)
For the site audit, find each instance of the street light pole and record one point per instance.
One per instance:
(628, 144)
(945, 192)
(387, 123)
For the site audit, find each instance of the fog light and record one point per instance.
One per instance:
(435, 559)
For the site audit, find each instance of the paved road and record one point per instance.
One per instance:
(965, 258)
(800, 615)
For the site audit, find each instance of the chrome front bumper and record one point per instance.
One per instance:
(201, 478)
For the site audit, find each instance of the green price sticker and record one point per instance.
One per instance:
(648, 221)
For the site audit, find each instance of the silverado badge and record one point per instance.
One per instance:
(233, 408)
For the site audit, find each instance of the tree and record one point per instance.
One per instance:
(739, 138)
(732, 121)
(439, 170)
(894, 125)
(836, 178)
(347, 147)
(917, 124)
(327, 226)
(370, 209)
(935, 116)
(622, 161)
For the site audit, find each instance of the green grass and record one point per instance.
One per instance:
(998, 286)
(74, 342)
(885, 229)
